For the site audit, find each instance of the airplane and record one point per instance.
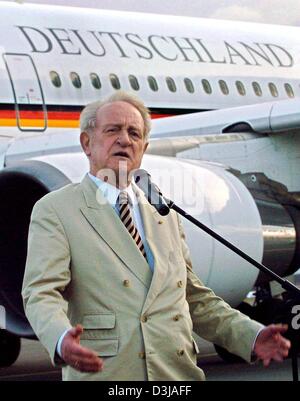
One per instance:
(224, 98)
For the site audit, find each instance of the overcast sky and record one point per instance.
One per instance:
(283, 12)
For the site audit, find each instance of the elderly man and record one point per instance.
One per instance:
(109, 287)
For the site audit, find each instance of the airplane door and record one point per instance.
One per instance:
(31, 112)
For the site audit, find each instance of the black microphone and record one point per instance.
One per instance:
(143, 180)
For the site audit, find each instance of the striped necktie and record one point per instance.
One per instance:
(125, 216)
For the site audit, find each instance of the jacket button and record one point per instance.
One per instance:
(180, 284)
(176, 318)
(126, 283)
(144, 318)
(180, 352)
(142, 355)
(160, 222)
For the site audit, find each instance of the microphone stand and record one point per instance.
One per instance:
(286, 285)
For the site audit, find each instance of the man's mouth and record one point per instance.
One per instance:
(122, 154)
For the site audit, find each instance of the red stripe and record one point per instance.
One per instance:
(55, 115)
(7, 114)
(153, 116)
(30, 114)
(60, 115)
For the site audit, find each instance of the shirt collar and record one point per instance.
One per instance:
(111, 192)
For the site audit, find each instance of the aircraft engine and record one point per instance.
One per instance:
(209, 192)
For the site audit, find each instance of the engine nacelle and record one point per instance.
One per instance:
(219, 200)
(21, 186)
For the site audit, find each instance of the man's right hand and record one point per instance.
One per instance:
(80, 358)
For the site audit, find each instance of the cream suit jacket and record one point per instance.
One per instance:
(84, 267)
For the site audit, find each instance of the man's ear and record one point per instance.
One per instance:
(85, 143)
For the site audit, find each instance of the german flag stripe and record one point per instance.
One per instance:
(55, 119)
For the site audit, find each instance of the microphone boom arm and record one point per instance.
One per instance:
(285, 284)
(163, 206)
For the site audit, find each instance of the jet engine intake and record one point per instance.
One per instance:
(21, 185)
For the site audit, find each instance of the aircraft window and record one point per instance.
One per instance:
(171, 84)
(206, 86)
(55, 79)
(189, 85)
(257, 89)
(75, 78)
(152, 83)
(114, 80)
(95, 80)
(240, 88)
(223, 87)
(134, 83)
(289, 90)
(273, 89)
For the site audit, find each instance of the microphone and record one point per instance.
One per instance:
(143, 180)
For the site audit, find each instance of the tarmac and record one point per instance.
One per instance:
(34, 364)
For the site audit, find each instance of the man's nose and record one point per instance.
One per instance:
(124, 138)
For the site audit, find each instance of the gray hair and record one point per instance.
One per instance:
(89, 113)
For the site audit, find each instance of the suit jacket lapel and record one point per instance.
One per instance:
(157, 237)
(108, 225)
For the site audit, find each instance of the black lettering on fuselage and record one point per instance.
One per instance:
(257, 53)
(87, 46)
(274, 50)
(211, 58)
(155, 48)
(29, 36)
(130, 36)
(233, 52)
(169, 48)
(113, 36)
(184, 48)
(64, 41)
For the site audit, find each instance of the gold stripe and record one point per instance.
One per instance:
(11, 122)
(63, 123)
(8, 122)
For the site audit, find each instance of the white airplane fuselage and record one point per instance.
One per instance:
(56, 59)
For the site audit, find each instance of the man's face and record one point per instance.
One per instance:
(117, 143)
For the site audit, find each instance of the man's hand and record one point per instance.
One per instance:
(80, 358)
(270, 344)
